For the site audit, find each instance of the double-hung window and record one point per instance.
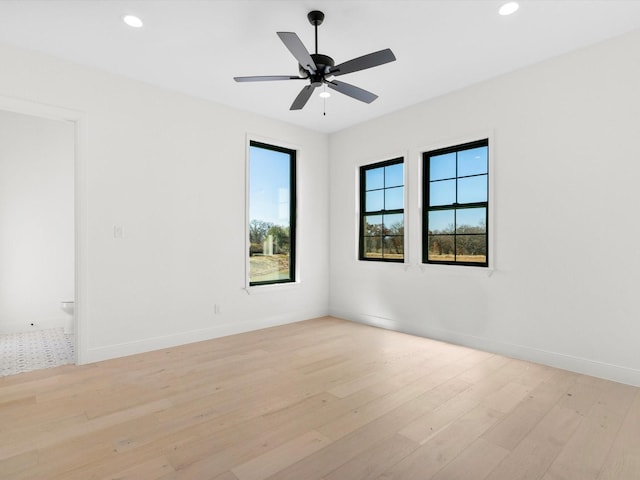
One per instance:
(381, 235)
(272, 214)
(456, 205)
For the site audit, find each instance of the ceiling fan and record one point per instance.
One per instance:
(320, 69)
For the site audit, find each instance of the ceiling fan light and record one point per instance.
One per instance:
(132, 21)
(325, 94)
(509, 8)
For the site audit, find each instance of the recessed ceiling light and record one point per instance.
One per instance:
(132, 21)
(509, 8)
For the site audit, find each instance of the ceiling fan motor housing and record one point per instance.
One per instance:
(323, 64)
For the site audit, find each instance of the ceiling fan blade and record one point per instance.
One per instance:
(303, 97)
(297, 48)
(366, 61)
(267, 78)
(352, 91)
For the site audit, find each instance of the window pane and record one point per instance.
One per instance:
(373, 247)
(442, 166)
(471, 248)
(472, 189)
(394, 247)
(394, 224)
(471, 220)
(440, 248)
(269, 182)
(374, 201)
(374, 179)
(270, 221)
(442, 193)
(441, 221)
(394, 198)
(393, 175)
(373, 225)
(472, 162)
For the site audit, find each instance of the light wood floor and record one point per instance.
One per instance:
(322, 399)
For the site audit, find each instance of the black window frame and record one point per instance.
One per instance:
(427, 208)
(363, 213)
(292, 212)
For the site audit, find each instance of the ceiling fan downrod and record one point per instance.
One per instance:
(316, 18)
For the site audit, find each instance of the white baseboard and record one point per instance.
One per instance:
(97, 354)
(584, 366)
(65, 322)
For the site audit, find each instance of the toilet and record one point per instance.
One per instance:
(68, 306)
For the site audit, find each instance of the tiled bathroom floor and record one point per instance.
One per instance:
(24, 352)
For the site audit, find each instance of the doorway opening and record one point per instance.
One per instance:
(38, 250)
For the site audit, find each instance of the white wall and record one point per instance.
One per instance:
(169, 170)
(566, 224)
(36, 222)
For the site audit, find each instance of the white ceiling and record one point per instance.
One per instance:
(197, 47)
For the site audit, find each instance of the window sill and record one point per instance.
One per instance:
(271, 288)
(375, 264)
(460, 270)
(431, 269)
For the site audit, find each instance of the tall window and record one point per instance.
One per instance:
(382, 211)
(272, 214)
(455, 204)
